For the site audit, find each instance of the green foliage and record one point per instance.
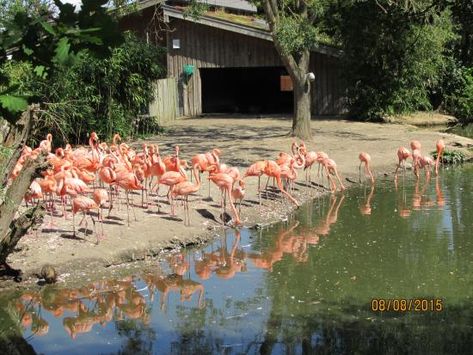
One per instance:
(450, 156)
(49, 38)
(462, 14)
(195, 9)
(393, 59)
(103, 95)
(295, 34)
(458, 91)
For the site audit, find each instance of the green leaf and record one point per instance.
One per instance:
(62, 51)
(13, 103)
(40, 71)
(47, 27)
(27, 51)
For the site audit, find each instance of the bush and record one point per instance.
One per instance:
(392, 60)
(93, 94)
(450, 156)
(458, 92)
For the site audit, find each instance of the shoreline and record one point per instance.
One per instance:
(155, 233)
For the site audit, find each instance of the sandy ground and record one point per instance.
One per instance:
(242, 141)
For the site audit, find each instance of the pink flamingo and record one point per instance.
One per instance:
(238, 193)
(403, 154)
(84, 204)
(272, 169)
(366, 159)
(100, 197)
(172, 178)
(184, 189)
(225, 183)
(331, 169)
(256, 169)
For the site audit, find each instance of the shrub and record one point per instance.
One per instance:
(450, 156)
(458, 92)
(93, 94)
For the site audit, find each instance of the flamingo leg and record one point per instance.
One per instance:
(73, 225)
(110, 201)
(232, 205)
(188, 212)
(259, 189)
(127, 207)
(342, 187)
(359, 173)
(279, 183)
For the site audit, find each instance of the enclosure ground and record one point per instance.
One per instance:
(242, 141)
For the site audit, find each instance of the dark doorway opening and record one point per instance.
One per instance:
(244, 90)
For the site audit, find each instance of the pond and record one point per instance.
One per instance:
(321, 281)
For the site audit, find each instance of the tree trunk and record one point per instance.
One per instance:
(301, 118)
(16, 139)
(11, 229)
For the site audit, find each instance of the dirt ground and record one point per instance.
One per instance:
(242, 141)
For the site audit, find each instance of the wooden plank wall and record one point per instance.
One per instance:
(165, 105)
(328, 94)
(207, 47)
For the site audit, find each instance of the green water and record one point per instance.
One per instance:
(303, 286)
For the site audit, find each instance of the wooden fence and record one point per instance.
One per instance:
(164, 107)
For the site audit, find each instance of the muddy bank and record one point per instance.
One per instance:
(242, 142)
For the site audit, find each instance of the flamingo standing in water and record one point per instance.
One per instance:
(403, 154)
(331, 169)
(365, 158)
(440, 145)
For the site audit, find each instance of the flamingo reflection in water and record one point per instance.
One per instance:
(365, 208)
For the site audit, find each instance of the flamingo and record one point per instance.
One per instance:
(403, 154)
(440, 145)
(365, 158)
(130, 181)
(84, 204)
(416, 156)
(238, 193)
(330, 169)
(184, 189)
(415, 145)
(256, 169)
(100, 196)
(172, 178)
(225, 183)
(272, 169)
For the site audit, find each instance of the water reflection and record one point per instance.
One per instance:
(365, 208)
(304, 284)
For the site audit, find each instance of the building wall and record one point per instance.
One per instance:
(207, 47)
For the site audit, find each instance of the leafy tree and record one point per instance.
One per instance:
(293, 26)
(48, 39)
(394, 55)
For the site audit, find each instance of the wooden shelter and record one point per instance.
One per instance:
(226, 63)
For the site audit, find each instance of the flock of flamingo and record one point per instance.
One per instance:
(78, 176)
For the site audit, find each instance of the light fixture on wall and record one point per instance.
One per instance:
(176, 43)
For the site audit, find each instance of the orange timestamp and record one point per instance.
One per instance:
(407, 305)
